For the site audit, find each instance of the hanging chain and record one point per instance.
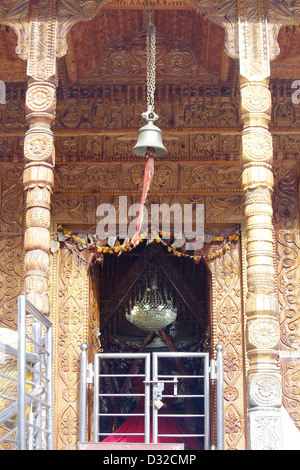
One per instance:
(151, 53)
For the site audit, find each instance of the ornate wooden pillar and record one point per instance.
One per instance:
(263, 334)
(39, 150)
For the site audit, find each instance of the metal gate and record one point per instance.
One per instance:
(152, 391)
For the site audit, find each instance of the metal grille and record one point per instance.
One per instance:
(113, 384)
(27, 423)
(186, 389)
(124, 383)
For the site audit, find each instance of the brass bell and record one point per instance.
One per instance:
(149, 136)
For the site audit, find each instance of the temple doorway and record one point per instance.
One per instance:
(153, 302)
(76, 318)
(179, 286)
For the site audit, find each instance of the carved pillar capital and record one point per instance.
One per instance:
(72, 12)
(18, 20)
(279, 14)
(253, 40)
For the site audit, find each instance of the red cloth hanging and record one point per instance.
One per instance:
(166, 425)
(148, 176)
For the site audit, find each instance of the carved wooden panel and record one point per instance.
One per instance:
(287, 227)
(228, 329)
(199, 123)
(117, 48)
(168, 176)
(94, 340)
(87, 178)
(70, 326)
(11, 227)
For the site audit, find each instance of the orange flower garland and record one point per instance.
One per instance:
(98, 247)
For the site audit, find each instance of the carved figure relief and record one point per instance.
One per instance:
(198, 176)
(83, 177)
(205, 144)
(284, 114)
(207, 115)
(14, 116)
(71, 118)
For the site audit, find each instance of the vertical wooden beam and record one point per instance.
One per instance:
(263, 333)
(39, 150)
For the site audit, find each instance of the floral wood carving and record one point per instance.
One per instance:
(71, 331)
(286, 219)
(11, 226)
(228, 330)
(288, 251)
(123, 57)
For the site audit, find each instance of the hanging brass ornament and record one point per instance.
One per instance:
(149, 142)
(150, 136)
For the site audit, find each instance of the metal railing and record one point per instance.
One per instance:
(28, 420)
(211, 372)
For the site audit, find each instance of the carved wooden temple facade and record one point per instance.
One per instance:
(228, 107)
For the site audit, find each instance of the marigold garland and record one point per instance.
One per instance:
(98, 247)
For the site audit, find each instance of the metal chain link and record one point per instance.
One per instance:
(151, 56)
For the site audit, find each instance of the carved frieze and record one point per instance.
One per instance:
(205, 114)
(87, 178)
(66, 207)
(87, 131)
(168, 177)
(81, 125)
(13, 116)
(165, 176)
(199, 177)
